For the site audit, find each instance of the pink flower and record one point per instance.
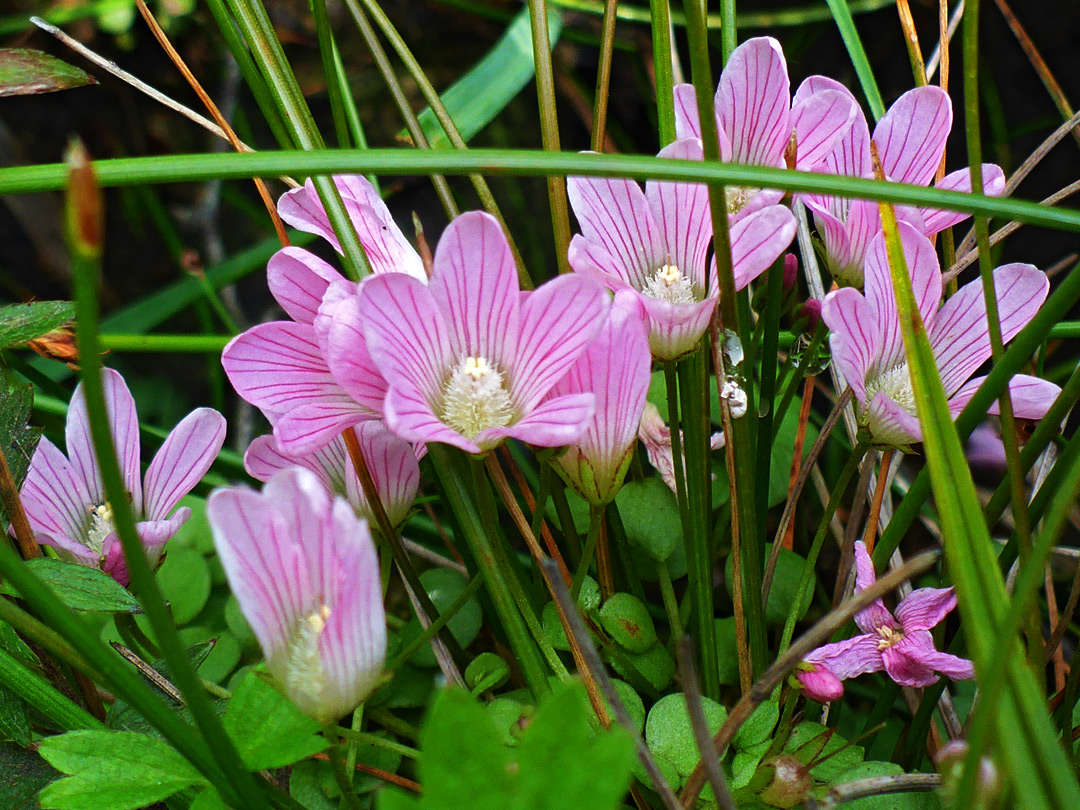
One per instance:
(65, 499)
(303, 567)
(869, 350)
(819, 683)
(756, 118)
(900, 645)
(281, 366)
(654, 243)
(468, 359)
(656, 436)
(615, 368)
(393, 464)
(847, 226)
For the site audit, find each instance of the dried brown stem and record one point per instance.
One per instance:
(884, 475)
(706, 747)
(13, 508)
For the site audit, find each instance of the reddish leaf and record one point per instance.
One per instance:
(24, 72)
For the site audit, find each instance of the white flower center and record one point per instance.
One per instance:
(475, 398)
(101, 526)
(896, 383)
(305, 678)
(738, 197)
(889, 637)
(669, 284)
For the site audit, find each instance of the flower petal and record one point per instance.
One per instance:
(853, 340)
(558, 320)
(890, 425)
(757, 240)
(615, 215)
(410, 415)
(553, 423)
(875, 615)
(906, 662)
(675, 329)
(394, 469)
(1031, 397)
(347, 356)
(753, 102)
(960, 335)
(911, 136)
(850, 658)
(183, 460)
(925, 273)
(681, 210)
(935, 221)
(820, 121)
(687, 120)
(54, 495)
(474, 284)
(264, 459)
(298, 280)
(592, 260)
(925, 608)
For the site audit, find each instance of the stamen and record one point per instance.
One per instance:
(669, 284)
(890, 637)
(304, 675)
(475, 398)
(101, 526)
(738, 197)
(896, 382)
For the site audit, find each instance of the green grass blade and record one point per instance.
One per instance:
(842, 15)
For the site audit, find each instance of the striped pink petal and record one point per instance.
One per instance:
(935, 221)
(854, 338)
(675, 329)
(681, 212)
(55, 497)
(753, 101)
(757, 240)
(182, 461)
(298, 280)
(911, 136)
(553, 423)
(820, 120)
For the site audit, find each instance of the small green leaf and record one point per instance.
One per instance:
(670, 736)
(627, 621)
(82, 588)
(269, 731)
(650, 515)
(482, 93)
(113, 770)
(758, 726)
(444, 586)
(22, 774)
(24, 72)
(22, 322)
(789, 571)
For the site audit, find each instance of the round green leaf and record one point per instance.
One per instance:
(627, 621)
(185, 583)
(444, 586)
(669, 734)
(789, 570)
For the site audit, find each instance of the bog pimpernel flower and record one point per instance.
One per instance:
(868, 347)
(901, 645)
(616, 369)
(655, 243)
(910, 139)
(304, 569)
(64, 496)
(281, 366)
(756, 119)
(391, 461)
(468, 359)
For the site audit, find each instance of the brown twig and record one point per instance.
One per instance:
(706, 747)
(808, 641)
(797, 453)
(378, 773)
(884, 475)
(879, 786)
(530, 501)
(911, 40)
(13, 508)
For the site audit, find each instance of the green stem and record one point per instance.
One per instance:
(437, 625)
(815, 547)
(603, 77)
(660, 14)
(596, 515)
(774, 291)
(39, 693)
(671, 604)
(337, 87)
(729, 36)
(165, 344)
(337, 765)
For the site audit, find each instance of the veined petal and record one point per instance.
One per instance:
(411, 416)
(615, 215)
(54, 495)
(687, 120)
(183, 460)
(405, 332)
(905, 663)
(850, 154)
(394, 469)
(474, 284)
(301, 509)
(925, 608)
(911, 136)
(558, 320)
(264, 458)
(124, 425)
(853, 339)
(846, 240)
(675, 329)
(926, 285)
(1031, 397)
(553, 423)
(592, 260)
(850, 658)
(753, 102)
(935, 221)
(959, 336)
(306, 428)
(298, 280)
(757, 240)
(347, 356)
(386, 247)
(875, 615)
(820, 121)
(889, 424)
(681, 210)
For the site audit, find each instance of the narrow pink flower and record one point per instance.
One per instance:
(468, 359)
(64, 496)
(281, 366)
(911, 141)
(656, 436)
(901, 645)
(303, 567)
(869, 349)
(615, 368)
(756, 118)
(655, 242)
(393, 464)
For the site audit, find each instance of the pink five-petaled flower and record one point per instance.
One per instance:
(65, 499)
(391, 461)
(900, 645)
(911, 141)
(468, 359)
(756, 118)
(869, 350)
(615, 368)
(303, 567)
(281, 366)
(655, 243)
